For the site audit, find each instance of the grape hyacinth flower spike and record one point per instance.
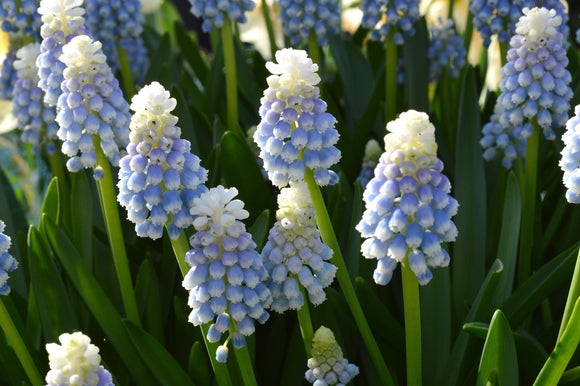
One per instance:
(390, 17)
(371, 157)
(35, 119)
(61, 21)
(7, 263)
(296, 132)
(446, 50)
(7, 76)
(534, 89)
(159, 177)
(294, 255)
(301, 18)
(75, 361)
(226, 279)
(91, 109)
(214, 13)
(408, 206)
(570, 162)
(493, 17)
(327, 366)
(20, 19)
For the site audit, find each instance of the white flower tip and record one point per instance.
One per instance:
(537, 22)
(153, 98)
(294, 67)
(413, 133)
(82, 51)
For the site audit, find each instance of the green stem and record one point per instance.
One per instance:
(111, 216)
(573, 295)
(329, 238)
(231, 77)
(305, 323)
(314, 48)
(269, 28)
(503, 49)
(412, 324)
(529, 202)
(565, 347)
(15, 340)
(391, 80)
(127, 76)
(245, 365)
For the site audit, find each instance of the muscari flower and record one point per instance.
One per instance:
(294, 254)
(301, 18)
(91, 109)
(19, 18)
(534, 87)
(159, 177)
(396, 17)
(570, 162)
(497, 17)
(7, 76)
(296, 132)
(214, 12)
(446, 50)
(327, 365)
(408, 206)
(226, 279)
(112, 21)
(7, 262)
(75, 362)
(35, 119)
(62, 20)
(370, 160)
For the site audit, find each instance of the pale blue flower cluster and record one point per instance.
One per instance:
(226, 280)
(19, 21)
(371, 157)
(296, 132)
(446, 50)
(214, 12)
(116, 21)
(294, 254)
(159, 177)
(534, 87)
(570, 162)
(61, 21)
(35, 119)
(91, 109)
(497, 17)
(300, 18)
(7, 262)
(408, 206)
(400, 16)
(7, 76)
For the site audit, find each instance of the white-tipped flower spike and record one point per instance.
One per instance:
(35, 119)
(226, 279)
(445, 50)
(61, 21)
(386, 17)
(159, 177)
(294, 254)
(296, 132)
(570, 162)
(534, 88)
(408, 206)
(327, 365)
(370, 160)
(300, 18)
(7, 262)
(214, 13)
(75, 362)
(91, 108)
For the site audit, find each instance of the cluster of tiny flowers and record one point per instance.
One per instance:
(408, 206)
(534, 85)
(562, 11)
(7, 262)
(497, 17)
(76, 361)
(35, 119)
(445, 50)
(112, 21)
(294, 254)
(159, 177)
(300, 18)
(371, 157)
(296, 132)
(19, 21)
(327, 365)
(61, 21)
(226, 279)
(214, 12)
(7, 76)
(91, 107)
(570, 162)
(385, 17)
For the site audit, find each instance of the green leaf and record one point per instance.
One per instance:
(260, 228)
(499, 362)
(185, 119)
(199, 365)
(82, 221)
(352, 248)
(148, 300)
(51, 203)
(163, 52)
(164, 367)
(416, 68)
(191, 51)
